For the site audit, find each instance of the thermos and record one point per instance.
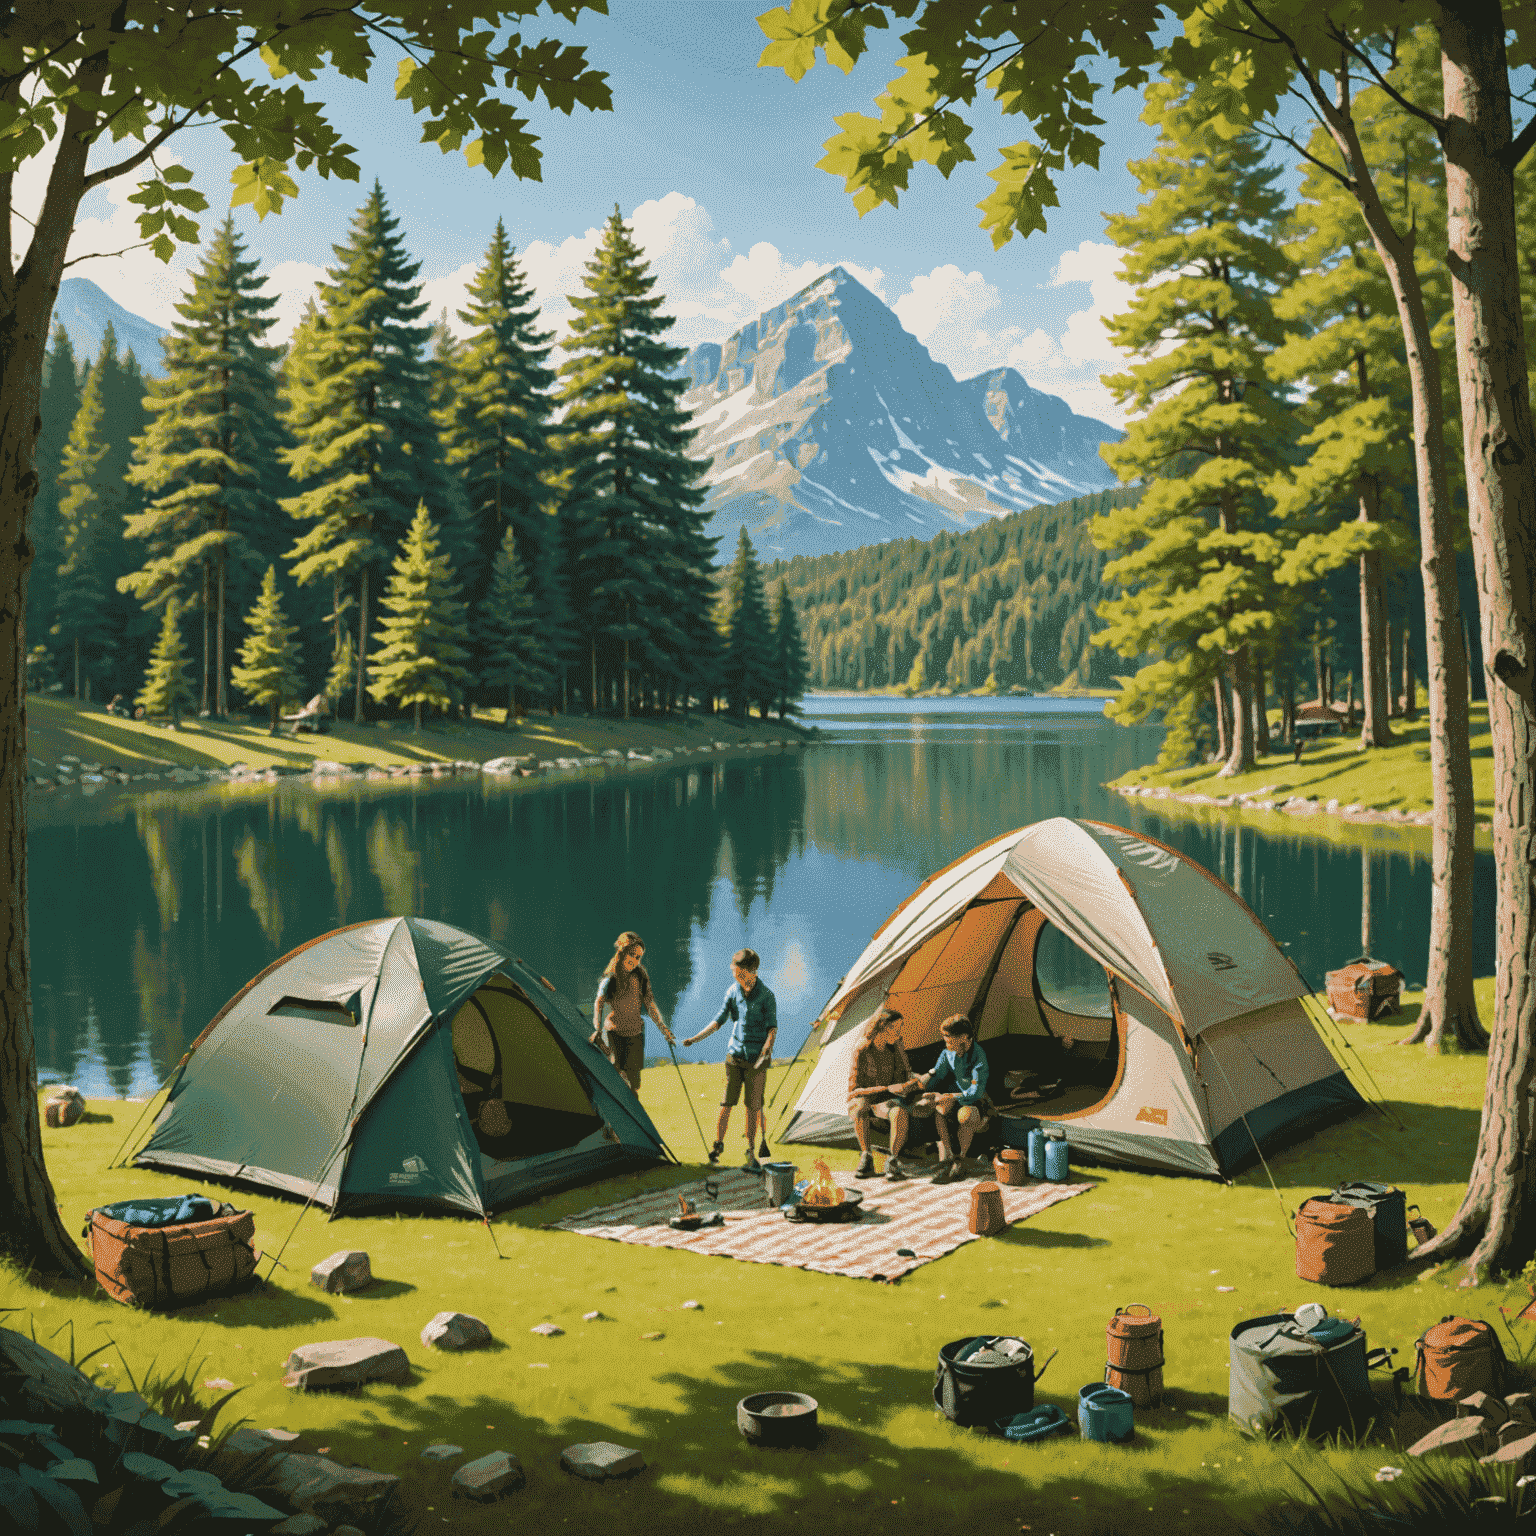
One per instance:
(1037, 1153)
(1056, 1159)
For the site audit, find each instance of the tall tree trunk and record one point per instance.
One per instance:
(1260, 713)
(1365, 902)
(1374, 731)
(626, 678)
(1390, 660)
(1496, 1224)
(221, 706)
(207, 639)
(1223, 717)
(1466, 646)
(77, 666)
(362, 643)
(592, 697)
(1288, 707)
(1410, 687)
(1241, 758)
(1321, 668)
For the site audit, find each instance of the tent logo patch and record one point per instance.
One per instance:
(1152, 1116)
(1219, 961)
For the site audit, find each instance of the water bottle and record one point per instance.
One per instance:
(1055, 1160)
(1037, 1153)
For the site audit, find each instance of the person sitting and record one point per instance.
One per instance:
(957, 1089)
(879, 1071)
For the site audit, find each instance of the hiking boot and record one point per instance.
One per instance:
(714, 1154)
(866, 1168)
(947, 1173)
(751, 1165)
(894, 1172)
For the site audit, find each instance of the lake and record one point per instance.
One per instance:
(150, 910)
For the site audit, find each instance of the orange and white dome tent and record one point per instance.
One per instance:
(1196, 1054)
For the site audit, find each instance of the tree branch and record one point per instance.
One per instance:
(137, 245)
(1519, 146)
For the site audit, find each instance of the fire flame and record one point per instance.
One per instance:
(685, 1206)
(823, 1189)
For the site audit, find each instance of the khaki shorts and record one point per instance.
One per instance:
(881, 1109)
(740, 1072)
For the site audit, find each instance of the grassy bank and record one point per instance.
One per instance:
(1395, 777)
(1203, 1254)
(63, 727)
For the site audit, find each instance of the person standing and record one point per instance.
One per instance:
(624, 997)
(879, 1072)
(754, 1016)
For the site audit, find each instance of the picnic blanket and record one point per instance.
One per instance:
(929, 1219)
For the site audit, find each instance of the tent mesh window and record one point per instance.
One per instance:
(521, 1092)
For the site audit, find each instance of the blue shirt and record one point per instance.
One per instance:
(968, 1073)
(752, 1015)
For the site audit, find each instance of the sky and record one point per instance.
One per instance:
(713, 162)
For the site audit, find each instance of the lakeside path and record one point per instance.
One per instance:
(71, 744)
(1334, 787)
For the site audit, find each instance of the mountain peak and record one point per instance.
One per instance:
(85, 311)
(828, 426)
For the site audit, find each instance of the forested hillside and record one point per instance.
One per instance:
(1012, 604)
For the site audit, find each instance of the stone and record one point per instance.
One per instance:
(693, 1306)
(600, 1460)
(649, 1336)
(455, 1331)
(189, 1424)
(1468, 1437)
(1513, 1451)
(547, 1330)
(347, 1363)
(488, 1477)
(316, 1485)
(591, 1317)
(1484, 1405)
(346, 1271)
(442, 1452)
(299, 1525)
(281, 1436)
(243, 1443)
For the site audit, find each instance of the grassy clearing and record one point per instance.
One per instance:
(1336, 768)
(60, 727)
(865, 1350)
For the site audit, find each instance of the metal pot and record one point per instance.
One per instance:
(777, 1418)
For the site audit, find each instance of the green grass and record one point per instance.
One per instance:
(1336, 768)
(59, 727)
(865, 1350)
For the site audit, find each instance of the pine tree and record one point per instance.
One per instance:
(789, 664)
(356, 395)
(167, 689)
(209, 463)
(748, 642)
(508, 631)
(60, 404)
(631, 508)
(268, 672)
(421, 653)
(343, 674)
(1196, 554)
(494, 419)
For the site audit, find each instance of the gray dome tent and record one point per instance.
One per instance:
(401, 1063)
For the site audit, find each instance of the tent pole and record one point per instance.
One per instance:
(788, 1108)
(486, 1218)
(1256, 1147)
(691, 1110)
(792, 1060)
(1316, 1012)
(170, 1081)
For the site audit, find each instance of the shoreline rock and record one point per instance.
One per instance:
(1296, 805)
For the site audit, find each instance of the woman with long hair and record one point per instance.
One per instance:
(624, 997)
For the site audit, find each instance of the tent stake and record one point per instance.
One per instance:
(485, 1217)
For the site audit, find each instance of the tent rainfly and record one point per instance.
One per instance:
(401, 1064)
(1190, 1051)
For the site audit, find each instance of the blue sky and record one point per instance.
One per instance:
(714, 162)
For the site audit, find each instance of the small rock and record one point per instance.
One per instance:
(346, 1271)
(299, 1525)
(315, 1485)
(1467, 1436)
(489, 1476)
(693, 1306)
(442, 1452)
(280, 1436)
(591, 1317)
(347, 1363)
(547, 1330)
(455, 1331)
(1481, 1403)
(600, 1460)
(217, 1383)
(653, 1335)
(189, 1424)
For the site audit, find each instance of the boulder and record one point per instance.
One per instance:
(488, 1477)
(347, 1363)
(454, 1331)
(316, 1485)
(1466, 1437)
(443, 1452)
(48, 1386)
(342, 1273)
(600, 1460)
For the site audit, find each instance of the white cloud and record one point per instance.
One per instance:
(946, 302)
(450, 292)
(292, 284)
(1098, 265)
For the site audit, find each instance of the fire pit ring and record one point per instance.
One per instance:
(846, 1209)
(777, 1418)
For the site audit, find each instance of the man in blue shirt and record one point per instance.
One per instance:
(754, 1016)
(957, 1089)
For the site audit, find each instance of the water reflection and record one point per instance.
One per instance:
(801, 855)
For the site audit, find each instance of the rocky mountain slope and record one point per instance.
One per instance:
(83, 310)
(827, 426)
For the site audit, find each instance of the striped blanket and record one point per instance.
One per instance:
(929, 1219)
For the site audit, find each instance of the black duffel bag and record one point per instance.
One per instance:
(983, 1379)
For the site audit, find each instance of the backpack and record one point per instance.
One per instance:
(1457, 1356)
(142, 1258)
(1335, 1244)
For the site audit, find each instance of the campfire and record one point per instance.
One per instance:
(685, 1207)
(823, 1189)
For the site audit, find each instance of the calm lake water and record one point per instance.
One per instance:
(150, 910)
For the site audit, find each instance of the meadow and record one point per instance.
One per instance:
(1204, 1255)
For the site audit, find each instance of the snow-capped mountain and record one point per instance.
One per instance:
(84, 310)
(827, 426)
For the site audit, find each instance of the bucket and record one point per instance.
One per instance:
(1055, 1159)
(1037, 1153)
(982, 1394)
(1105, 1413)
(779, 1182)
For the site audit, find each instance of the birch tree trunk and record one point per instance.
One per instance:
(1241, 758)
(1223, 718)
(1496, 1224)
